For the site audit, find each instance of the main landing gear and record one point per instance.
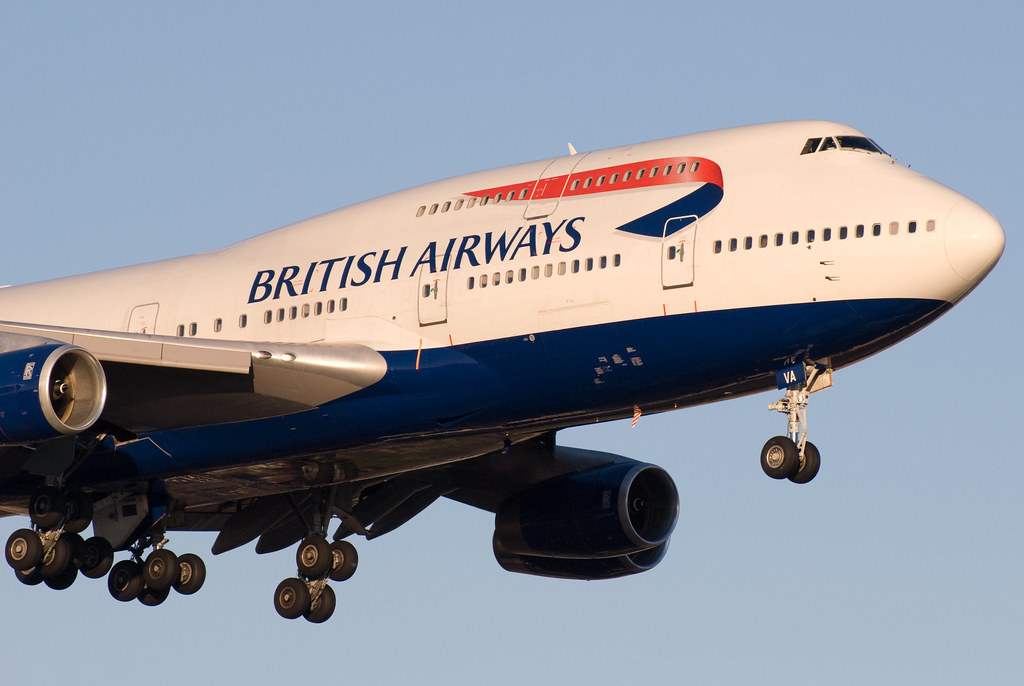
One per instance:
(308, 593)
(53, 552)
(792, 456)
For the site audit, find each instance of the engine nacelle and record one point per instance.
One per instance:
(48, 391)
(603, 512)
(588, 569)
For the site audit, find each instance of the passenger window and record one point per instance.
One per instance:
(575, 184)
(615, 177)
(826, 234)
(748, 243)
(470, 282)
(472, 201)
(181, 329)
(860, 231)
(627, 176)
(458, 205)
(930, 226)
(617, 260)
(640, 174)
(242, 321)
(446, 206)
(894, 228)
(876, 230)
(268, 317)
(547, 270)
(535, 273)
(217, 324)
(426, 290)
(718, 247)
(330, 306)
(280, 314)
(497, 198)
(810, 235)
(522, 274)
(733, 245)
(586, 184)
(779, 239)
(305, 310)
(293, 312)
(604, 261)
(842, 233)
(694, 166)
(509, 276)
(911, 227)
(575, 266)
(600, 180)
(433, 208)
(484, 200)
(794, 237)
(421, 210)
(192, 329)
(318, 308)
(344, 304)
(496, 279)
(654, 172)
(763, 240)
(561, 268)
(589, 264)
(483, 281)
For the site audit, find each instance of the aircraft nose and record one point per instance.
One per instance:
(974, 241)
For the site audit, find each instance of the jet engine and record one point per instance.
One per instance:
(47, 391)
(597, 523)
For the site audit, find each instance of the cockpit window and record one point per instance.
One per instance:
(859, 143)
(810, 146)
(829, 144)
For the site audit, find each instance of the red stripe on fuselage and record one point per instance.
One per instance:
(643, 174)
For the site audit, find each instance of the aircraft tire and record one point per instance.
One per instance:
(24, 550)
(97, 557)
(291, 599)
(125, 580)
(314, 557)
(59, 558)
(808, 469)
(780, 458)
(161, 569)
(344, 562)
(78, 508)
(191, 574)
(63, 580)
(151, 597)
(320, 611)
(46, 507)
(29, 577)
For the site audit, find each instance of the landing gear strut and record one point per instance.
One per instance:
(53, 552)
(792, 456)
(308, 594)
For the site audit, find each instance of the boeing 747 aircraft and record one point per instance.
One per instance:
(357, 366)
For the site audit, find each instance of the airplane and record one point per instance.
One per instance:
(359, 365)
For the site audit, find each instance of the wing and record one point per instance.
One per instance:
(167, 382)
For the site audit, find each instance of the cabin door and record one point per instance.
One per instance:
(550, 186)
(432, 298)
(143, 318)
(677, 251)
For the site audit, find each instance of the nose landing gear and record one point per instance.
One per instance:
(792, 456)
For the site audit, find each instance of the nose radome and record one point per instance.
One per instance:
(974, 241)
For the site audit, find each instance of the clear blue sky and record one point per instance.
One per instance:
(131, 133)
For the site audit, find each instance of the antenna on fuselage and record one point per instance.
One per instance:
(572, 150)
